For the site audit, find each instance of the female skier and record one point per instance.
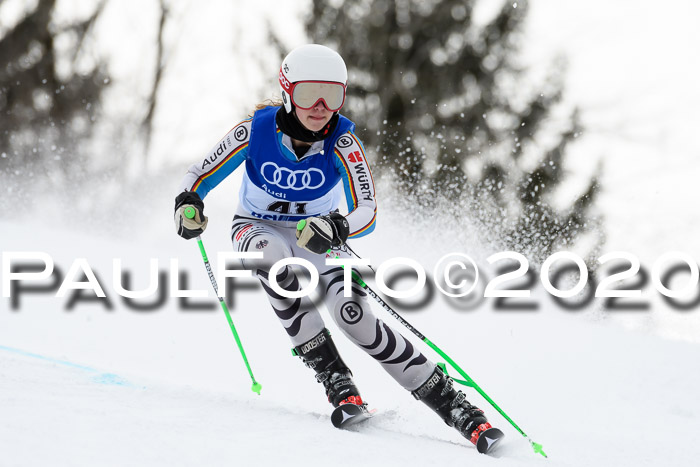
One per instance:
(295, 155)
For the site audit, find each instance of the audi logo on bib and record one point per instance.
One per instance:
(288, 179)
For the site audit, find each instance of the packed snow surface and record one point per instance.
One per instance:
(93, 386)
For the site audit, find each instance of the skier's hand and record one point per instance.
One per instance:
(189, 228)
(318, 234)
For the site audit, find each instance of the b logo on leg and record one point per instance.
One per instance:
(351, 312)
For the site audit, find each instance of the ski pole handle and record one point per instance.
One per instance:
(190, 212)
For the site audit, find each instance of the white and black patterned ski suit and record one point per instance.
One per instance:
(278, 190)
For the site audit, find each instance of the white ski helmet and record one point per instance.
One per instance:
(315, 64)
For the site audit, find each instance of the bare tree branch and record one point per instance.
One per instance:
(160, 66)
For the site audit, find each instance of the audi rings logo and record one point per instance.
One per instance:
(288, 179)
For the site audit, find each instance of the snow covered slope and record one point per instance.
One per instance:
(93, 386)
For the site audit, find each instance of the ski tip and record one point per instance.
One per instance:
(349, 414)
(488, 440)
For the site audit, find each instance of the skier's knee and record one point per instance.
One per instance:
(354, 318)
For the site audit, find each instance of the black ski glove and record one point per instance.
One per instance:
(185, 227)
(319, 234)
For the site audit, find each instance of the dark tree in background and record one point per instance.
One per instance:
(440, 105)
(48, 100)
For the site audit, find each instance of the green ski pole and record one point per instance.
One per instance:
(190, 213)
(468, 381)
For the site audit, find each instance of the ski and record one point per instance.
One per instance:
(488, 440)
(347, 415)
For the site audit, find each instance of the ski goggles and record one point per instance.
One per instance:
(306, 94)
